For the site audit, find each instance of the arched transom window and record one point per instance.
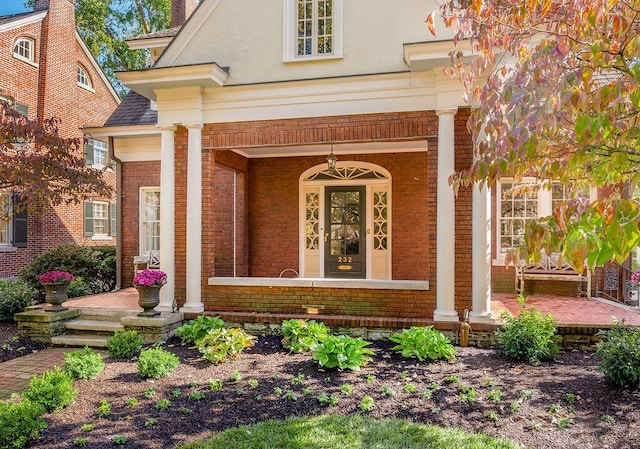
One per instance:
(23, 49)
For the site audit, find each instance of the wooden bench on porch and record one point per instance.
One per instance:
(552, 268)
(149, 261)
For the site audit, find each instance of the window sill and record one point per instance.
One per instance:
(88, 88)
(101, 237)
(28, 61)
(288, 59)
(8, 249)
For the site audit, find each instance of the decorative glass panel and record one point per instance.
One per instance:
(312, 222)
(151, 220)
(346, 173)
(380, 205)
(345, 223)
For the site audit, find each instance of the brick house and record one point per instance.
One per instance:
(46, 71)
(292, 156)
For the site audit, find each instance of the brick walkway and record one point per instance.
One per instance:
(15, 374)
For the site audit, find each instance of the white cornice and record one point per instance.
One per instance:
(423, 56)
(145, 82)
(156, 42)
(24, 21)
(102, 133)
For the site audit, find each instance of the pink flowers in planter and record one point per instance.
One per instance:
(150, 278)
(635, 277)
(55, 277)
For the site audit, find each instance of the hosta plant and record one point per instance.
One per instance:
(423, 343)
(220, 344)
(195, 330)
(342, 352)
(302, 335)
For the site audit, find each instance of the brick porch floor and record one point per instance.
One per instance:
(568, 311)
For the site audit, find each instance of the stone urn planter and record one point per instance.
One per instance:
(148, 299)
(148, 283)
(55, 285)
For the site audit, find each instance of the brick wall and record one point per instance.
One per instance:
(49, 88)
(273, 196)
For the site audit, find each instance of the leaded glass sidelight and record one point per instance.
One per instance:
(312, 220)
(380, 221)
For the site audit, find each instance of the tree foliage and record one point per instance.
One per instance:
(106, 24)
(555, 83)
(42, 167)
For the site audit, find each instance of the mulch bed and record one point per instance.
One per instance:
(12, 346)
(484, 370)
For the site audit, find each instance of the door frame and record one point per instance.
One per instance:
(369, 183)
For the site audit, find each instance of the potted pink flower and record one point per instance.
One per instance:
(55, 284)
(148, 284)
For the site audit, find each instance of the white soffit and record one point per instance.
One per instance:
(146, 81)
(412, 146)
(423, 56)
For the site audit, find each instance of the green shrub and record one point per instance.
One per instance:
(220, 344)
(95, 264)
(15, 295)
(155, 363)
(343, 352)
(83, 363)
(20, 423)
(195, 330)
(124, 344)
(619, 354)
(53, 389)
(529, 336)
(302, 335)
(423, 343)
(78, 287)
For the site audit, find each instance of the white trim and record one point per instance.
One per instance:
(141, 207)
(24, 21)
(149, 43)
(368, 183)
(364, 284)
(31, 49)
(290, 35)
(402, 146)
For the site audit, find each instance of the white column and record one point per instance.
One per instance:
(167, 217)
(446, 222)
(481, 260)
(193, 302)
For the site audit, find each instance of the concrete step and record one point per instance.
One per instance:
(92, 326)
(97, 314)
(97, 341)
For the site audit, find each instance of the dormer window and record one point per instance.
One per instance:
(23, 49)
(314, 29)
(83, 79)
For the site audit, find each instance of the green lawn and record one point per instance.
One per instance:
(347, 432)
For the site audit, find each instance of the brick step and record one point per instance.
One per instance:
(94, 341)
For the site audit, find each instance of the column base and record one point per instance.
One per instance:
(445, 315)
(483, 317)
(192, 308)
(165, 307)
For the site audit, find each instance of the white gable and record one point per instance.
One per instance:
(248, 37)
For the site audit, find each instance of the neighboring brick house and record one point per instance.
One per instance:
(47, 71)
(225, 145)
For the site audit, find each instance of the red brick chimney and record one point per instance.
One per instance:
(180, 11)
(41, 4)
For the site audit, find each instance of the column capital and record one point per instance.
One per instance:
(446, 111)
(167, 127)
(193, 125)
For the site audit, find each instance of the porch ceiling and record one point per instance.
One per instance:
(338, 149)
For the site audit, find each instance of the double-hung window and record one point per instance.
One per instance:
(149, 219)
(516, 207)
(13, 222)
(99, 219)
(313, 29)
(95, 153)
